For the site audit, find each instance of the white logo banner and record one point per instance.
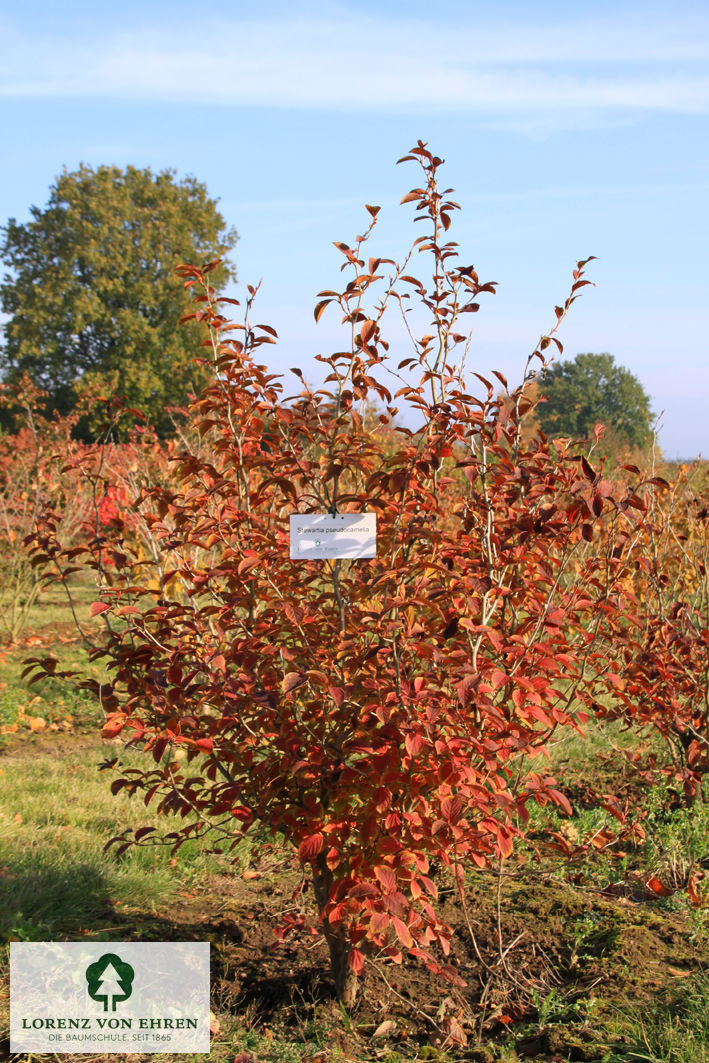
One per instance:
(104, 996)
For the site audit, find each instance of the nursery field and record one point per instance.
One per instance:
(432, 781)
(562, 959)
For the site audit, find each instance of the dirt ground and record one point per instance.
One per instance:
(543, 978)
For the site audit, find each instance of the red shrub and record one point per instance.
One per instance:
(378, 714)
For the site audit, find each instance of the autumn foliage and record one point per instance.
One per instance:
(385, 717)
(666, 646)
(36, 485)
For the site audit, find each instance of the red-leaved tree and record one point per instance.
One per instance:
(35, 478)
(380, 714)
(666, 649)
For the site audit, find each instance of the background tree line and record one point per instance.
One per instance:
(93, 306)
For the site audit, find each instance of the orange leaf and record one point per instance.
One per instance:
(414, 744)
(504, 842)
(113, 726)
(319, 309)
(367, 331)
(402, 932)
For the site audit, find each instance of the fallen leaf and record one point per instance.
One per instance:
(454, 1031)
(385, 1029)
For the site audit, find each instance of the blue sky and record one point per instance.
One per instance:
(566, 133)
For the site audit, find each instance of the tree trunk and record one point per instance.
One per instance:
(338, 943)
(346, 981)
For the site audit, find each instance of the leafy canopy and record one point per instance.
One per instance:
(92, 297)
(591, 389)
(379, 715)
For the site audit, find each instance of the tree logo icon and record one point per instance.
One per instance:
(110, 980)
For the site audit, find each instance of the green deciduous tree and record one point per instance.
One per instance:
(591, 389)
(92, 295)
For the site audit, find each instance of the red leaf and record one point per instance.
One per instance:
(355, 961)
(466, 688)
(386, 876)
(451, 807)
(337, 694)
(588, 470)
(295, 613)
(96, 608)
(292, 681)
(658, 887)
(613, 805)
(143, 831)
(379, 922)
(414, 744)
(451, 975)
(561, 800)
(454, 1030)
(336, 914)
(498, 678)
(309, 849)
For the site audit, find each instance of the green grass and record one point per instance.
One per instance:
(55, 878)
(51, 631)
(674, 1032)
(676, 835)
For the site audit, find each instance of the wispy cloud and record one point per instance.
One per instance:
(343, 60)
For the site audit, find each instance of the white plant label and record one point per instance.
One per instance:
(320, 535)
